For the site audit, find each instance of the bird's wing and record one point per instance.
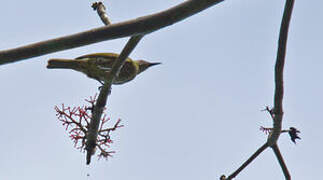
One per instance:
(111, 56)
(104, 61)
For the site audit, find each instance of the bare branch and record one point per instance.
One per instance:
(279, 72)
(138, 26)
(248, 161)
(103, 96)
(281, 161)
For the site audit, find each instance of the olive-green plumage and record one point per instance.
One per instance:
(98, 66)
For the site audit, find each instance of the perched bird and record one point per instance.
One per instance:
(98, 66)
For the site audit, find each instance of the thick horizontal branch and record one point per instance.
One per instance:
(138, 26)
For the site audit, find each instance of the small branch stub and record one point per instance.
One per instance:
(101, 10)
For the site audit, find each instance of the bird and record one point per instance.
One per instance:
(98, 66)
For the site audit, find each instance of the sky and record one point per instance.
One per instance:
(196, 116)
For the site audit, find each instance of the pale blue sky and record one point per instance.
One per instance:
(194, 117)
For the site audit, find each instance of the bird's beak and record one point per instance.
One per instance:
(153, 64)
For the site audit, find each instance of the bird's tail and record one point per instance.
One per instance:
(63, 64)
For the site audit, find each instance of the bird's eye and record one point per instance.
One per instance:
(100, 60)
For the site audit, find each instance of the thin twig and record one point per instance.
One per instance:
(138, 26)
(279, 73)
(248, 161)
(281, 161)
(103, 96)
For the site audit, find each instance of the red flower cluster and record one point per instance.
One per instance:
(76, 121)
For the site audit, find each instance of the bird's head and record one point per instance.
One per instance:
(143, 65)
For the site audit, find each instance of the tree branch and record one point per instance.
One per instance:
(279, 70)
(138, 26)
(281, 161)
(103, 96)
(101, 10)
(248, 161)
